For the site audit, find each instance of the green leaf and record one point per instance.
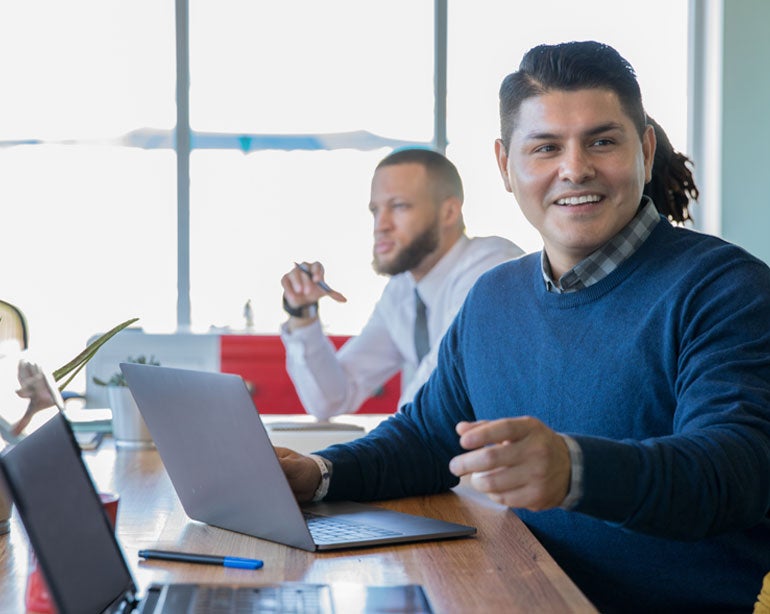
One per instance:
(73, 367)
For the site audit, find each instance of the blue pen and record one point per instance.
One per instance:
(204, 559)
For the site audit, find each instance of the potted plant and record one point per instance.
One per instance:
(117, 379)
(128, 426)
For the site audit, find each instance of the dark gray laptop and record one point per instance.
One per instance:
(226, 473)
(85, 568)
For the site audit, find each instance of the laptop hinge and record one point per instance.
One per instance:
(127, 602)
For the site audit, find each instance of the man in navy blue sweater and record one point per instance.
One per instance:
(614, 389)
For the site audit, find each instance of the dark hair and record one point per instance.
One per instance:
(570, 67)
(672, 186)
(445, 178)
(591, 65)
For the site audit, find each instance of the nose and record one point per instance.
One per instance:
(382, 219)
(576, 165)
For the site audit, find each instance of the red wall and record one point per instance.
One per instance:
(261, 361)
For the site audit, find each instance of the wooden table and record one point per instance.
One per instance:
(502, 569)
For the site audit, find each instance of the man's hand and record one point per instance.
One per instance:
(301, 289)
(305, 284)
(39, 388)
(518, 462)
(302, 472)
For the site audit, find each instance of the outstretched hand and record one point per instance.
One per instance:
(37, 386)
(301, 471)
(518, 462)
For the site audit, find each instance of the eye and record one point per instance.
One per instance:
(602, 142)
(546, 148)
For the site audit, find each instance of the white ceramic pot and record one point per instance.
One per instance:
(128, 427)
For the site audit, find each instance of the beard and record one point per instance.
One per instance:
(410, 255)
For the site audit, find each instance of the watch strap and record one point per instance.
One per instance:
(303, 311)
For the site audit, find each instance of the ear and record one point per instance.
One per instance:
(451, 211)
(502, 163)
(649, 143)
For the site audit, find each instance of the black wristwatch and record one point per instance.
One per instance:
(304, 311)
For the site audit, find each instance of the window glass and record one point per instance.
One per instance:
(293, 68)
(308, 66)
(89, 225)
(92, 217)
(253, 216)
(85, 69)
(487, 41)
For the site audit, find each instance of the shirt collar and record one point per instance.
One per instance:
(599, 264)
(430, 285)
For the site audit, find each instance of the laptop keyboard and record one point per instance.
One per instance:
(329, 530)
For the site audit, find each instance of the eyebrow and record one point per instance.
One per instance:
(600, 129)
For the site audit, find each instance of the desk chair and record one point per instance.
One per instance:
(13, 325)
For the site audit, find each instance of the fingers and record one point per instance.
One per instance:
(300, 288)
(337, 296)
(516, 461)
(305, 284)
(35, 386)
(317, 276)
(464, 427)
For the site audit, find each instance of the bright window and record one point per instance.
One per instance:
(90, 222)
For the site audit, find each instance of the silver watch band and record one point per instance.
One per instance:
(323, 486)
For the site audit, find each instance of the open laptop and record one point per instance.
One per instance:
(86, 570)
(226, 473)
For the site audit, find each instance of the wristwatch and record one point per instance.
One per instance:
(326, 474)
(303, 311)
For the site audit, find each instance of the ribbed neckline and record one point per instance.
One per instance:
(569, 300)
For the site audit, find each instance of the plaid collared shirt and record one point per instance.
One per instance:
(607, 258)
(592, 269)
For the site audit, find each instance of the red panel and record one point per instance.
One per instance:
(261, 361)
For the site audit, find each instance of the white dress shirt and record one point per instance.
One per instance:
(331, 382)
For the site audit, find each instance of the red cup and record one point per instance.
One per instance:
(38, 599)
(110, 502)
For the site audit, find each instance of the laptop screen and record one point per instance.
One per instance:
(72, 537)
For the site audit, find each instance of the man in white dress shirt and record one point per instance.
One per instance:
(420, 242)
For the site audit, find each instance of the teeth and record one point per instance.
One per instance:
(579, 200)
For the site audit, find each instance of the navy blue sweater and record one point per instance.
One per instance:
(661, 372)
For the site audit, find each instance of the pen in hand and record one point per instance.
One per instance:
(204, 559)
(337, 296)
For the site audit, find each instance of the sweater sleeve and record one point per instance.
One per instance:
(712, 474)
(409, 453)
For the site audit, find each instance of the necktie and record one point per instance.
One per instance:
(421, 340)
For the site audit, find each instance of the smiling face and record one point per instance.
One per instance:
(577, 168)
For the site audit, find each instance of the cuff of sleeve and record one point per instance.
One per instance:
(326, 474)
(575, 492)
(312, 330)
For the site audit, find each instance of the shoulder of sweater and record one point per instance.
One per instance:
(703, 244)
(510, 272)
(523, 263)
